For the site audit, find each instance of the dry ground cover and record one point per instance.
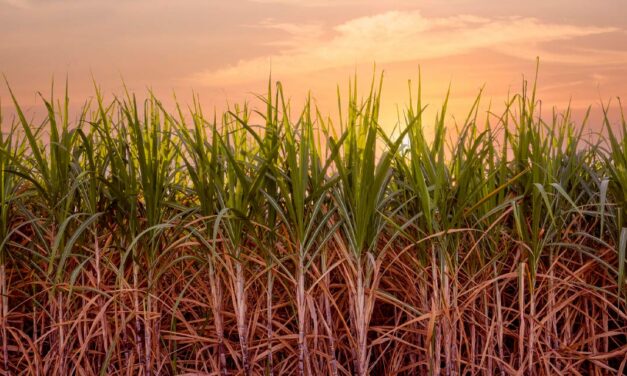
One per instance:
(134, 240)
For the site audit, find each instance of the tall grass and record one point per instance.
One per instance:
(135, 240)
(9, 151)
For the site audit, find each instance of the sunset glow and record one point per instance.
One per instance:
(225, 51)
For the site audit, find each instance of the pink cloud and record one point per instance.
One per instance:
(396, 37)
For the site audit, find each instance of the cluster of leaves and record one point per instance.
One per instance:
(138, 240)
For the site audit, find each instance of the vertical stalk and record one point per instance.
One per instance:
(301, 308)
(57, 302)
(499, 322)
(328, 316)
(488, 320)
(103, 319)
(422, 340)
(269, 316)
(148, 324)
(532, 315)
(521, 308)
(35, 331)
(216, 296)
(138, 327)
(446, 322)
(361, 324)
(242, 329)
(4, 311)
(436, 303)
(61, 339)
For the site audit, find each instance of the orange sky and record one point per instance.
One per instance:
(224, 50)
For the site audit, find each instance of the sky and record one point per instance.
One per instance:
(225, 51)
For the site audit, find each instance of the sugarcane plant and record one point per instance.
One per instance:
(361, 197)
(10, 151)
(281, 240)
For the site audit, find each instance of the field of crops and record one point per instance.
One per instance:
(136, 240)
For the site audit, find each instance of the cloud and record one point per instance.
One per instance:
(21, 4)
(37, 4)
(395, 37)
(301, 33)
(308, 3)
(573, 56)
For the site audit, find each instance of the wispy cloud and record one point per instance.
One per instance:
(22, 4)
(393, 37)
(573, 56)
(36, 4)
(308, 3)
(298, 34)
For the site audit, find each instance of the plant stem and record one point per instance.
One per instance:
(242, 328)
(301, 309)
(269, 317)
(4, 310)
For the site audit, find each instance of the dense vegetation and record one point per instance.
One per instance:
(140, 241)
